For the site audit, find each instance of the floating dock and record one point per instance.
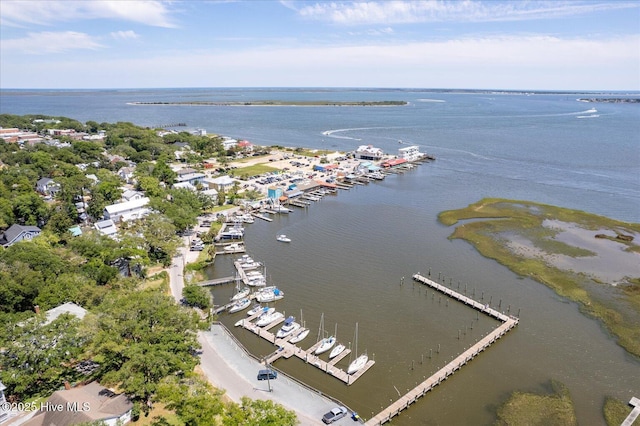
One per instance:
(508, 322)
(287, 350)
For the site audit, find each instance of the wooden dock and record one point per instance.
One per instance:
(287, 350)
(508, 322)
(217, 281)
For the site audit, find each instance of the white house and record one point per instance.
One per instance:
(228, 143)
(47, 186)
(107, 227)
(129, 210)
(127, 174)
(368, 152)
(91, 403)
(190, 175)
(65, 308)
(130, 195)
(222, 182)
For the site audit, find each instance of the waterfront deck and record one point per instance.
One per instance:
(508, 322)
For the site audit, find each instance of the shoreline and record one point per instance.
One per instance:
(228, 367)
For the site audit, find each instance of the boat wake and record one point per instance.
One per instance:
(431, 100)
(332, 133)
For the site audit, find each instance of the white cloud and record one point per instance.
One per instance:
(124, 35)
(387, 12)
(51, 42)
(19, 13)
(510, 62)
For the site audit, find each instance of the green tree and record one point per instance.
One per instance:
(37, 358)
(195, 401)
(258, 413)
(143, 337)
(194, 295)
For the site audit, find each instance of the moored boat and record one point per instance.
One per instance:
(287, 328)
(269, 294)
(269, 318)
(360, 361)
(300, 336)
(239, 305)
(337, 351)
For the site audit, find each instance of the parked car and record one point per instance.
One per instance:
(267, 374)
(334, 415)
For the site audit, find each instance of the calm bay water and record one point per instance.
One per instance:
(350, 251)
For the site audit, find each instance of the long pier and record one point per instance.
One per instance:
(508, 322)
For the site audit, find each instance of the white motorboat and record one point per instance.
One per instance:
(300, 336)
(360, 361)
(289, 326)
(269, 294)
(337, 351)
(269, 318)
(267, 311)
(257, 281)
(283, 238)
(239, 305)
(234, 247)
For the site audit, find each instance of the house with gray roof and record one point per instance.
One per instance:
(47, 186)
(17, 233)
(91, 403)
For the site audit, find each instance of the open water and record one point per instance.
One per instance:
(350, 251)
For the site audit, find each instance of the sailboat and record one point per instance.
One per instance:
(240, 293)
(360, 361)
(339, 347)
(302, 333)
(326, 342)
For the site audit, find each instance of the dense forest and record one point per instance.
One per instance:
(135, 337)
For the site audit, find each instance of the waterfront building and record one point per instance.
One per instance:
(410, 153)
(369, 152)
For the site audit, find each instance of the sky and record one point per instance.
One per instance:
(459, 44)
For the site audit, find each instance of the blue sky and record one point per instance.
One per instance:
(519, 45)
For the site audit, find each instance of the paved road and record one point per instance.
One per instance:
(228, 367)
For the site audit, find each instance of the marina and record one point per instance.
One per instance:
(286, 350)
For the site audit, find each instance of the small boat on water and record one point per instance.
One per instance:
(289, 326)
(256, 309)
(269, 318)
(234, 247)
(360, 361)
(327, 342)
(339, 347)
(266, 312)
(240, 293)
(283, 238)
(300, 336)
(337, 351)
(269, 294)
(239, 305)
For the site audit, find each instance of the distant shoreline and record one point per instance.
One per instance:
(612, 100)
(279, 103)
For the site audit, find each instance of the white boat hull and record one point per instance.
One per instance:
(337, 351)
(358, 364)
(326, 345)
(300, 336)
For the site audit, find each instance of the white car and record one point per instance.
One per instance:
(334, 415)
